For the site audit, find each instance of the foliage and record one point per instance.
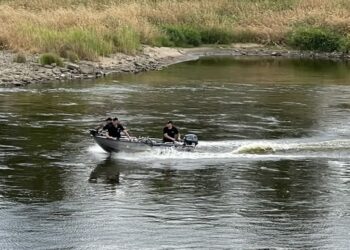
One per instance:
(183, 35)
(50, 58)
(94, 28)
(345, 44)
(216, 36)
(20, 58)
(87, 44)
(314, 38)
(126, 40)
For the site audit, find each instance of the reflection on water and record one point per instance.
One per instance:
(106, 170)
(271, 169)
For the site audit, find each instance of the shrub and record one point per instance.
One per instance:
(314, 38)
(183, 36)
(50, 58)
(345, 44)
(192, 36)
(176, 36)
(20, 58)
(216, 36)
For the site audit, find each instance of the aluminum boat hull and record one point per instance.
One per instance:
(136, 144)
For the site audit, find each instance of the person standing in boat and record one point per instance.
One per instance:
(170, 133)
(114, 129)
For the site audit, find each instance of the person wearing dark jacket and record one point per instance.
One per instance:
(114, 129)
(170, 133)
(104, 124)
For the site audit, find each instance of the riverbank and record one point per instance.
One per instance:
(150, 58)
(87, 29)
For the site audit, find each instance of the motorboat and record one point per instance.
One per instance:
(140, 144)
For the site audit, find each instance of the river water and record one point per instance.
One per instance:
(272, 168)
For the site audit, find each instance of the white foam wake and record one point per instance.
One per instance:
(244, 150)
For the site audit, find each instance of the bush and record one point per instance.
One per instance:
(183, 36)
(216, 36)
(20, 58)
(192, 36)
(176, 35)
(50, 58)
(345, 44)
(314, 38)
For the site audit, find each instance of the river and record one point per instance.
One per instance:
(272, 168)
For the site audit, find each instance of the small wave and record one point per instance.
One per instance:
(303, 145)
(255, 149)
(4, 167)
(10, 148)
(68, 104)
(269, 119)
(17, 90)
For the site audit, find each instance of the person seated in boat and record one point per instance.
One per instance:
(103, 126)
(170, 133)
(114, 129)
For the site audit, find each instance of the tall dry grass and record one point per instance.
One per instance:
(99, 27)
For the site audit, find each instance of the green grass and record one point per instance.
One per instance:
(81, 43)
(50, 58)
(87, 44)
(126, 40)
(345, 44)
(216, 36)
(183, 36)
(315, 38)
(188, 36)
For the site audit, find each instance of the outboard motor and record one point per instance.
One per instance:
(190, 140)
(93, 132)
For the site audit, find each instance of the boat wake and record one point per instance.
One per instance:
(305, 148)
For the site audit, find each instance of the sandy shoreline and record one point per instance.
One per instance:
(151, 58)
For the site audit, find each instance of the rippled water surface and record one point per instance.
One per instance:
(272, 169)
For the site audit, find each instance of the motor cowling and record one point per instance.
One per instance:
(190, 140)
(93, 132)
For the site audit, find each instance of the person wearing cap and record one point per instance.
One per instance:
(170, 133)
(104, 124)
(114, 129)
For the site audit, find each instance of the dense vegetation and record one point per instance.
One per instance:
(86, 29)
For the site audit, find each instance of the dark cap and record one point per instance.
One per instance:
(115, 119)
(169, 122)
(108, 119)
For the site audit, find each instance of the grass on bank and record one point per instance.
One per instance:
(50, 58)
(86, 29)
(20, 58)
